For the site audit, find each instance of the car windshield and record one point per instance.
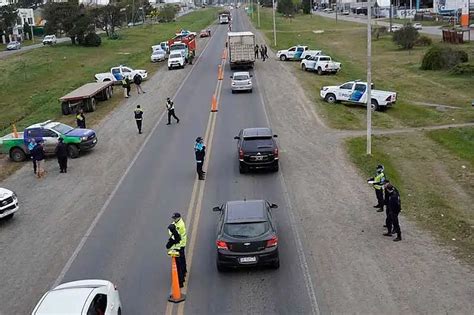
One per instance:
(48, 37)
(246, 229)
(175, 56)
(241, 77)
(62, 128)
(158, 52)
(178, 47)
(254, 143)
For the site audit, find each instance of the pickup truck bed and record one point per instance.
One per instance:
(86, 96)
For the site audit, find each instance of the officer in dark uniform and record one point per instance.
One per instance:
(61, 155)
(393, 205)
(200, 153)
(138, 118)
(170, 108)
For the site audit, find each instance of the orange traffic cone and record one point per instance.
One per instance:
(224, 54)
(220, 73)
(214, 103)
(15, 132)
(176, 295)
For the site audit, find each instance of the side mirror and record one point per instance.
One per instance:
(216, 209)
(236, 137)
(275, 136)
(251, 75)
(230, 77)
(273, 206)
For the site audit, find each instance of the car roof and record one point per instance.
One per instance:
(64, 301)
(241, 73)
(256, 132)
(245, 211)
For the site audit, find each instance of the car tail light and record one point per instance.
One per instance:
(241, 154)
(221, 245)
(272, 242)
(275, 153)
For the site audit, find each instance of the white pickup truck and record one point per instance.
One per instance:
(119, 73)
(296, 53)
(321, 64)
(355, 92)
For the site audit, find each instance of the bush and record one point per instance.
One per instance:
(167, 13)
(92, 40)
(406, 37)
(378, 31)
(443, 57)
(423, 41)
(463, 68)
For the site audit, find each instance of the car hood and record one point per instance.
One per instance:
(4, 193)
(78, 132)
(175, 59)
(330, 87)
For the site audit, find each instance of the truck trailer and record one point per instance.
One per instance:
(241, 49)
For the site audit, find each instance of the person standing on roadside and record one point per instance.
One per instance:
(124, 86)
(31, 146)
(138, 112)
(61, 154)
(265, 51)
(81, 119)
(200, 153)
(181, 228)
(38, 155)
(262, 52)
(256, 51)
(393, 209)
(173, 250)
(128, 85)
(378, 181)
(137, 79)
(170, 108)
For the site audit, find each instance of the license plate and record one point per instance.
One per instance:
(258, 158)
(245, 260)
(94, 141)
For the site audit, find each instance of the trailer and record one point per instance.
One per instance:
(86, 97)
(224, 17)
(241, 49)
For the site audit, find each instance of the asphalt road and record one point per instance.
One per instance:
(127, 243)
(4, 54)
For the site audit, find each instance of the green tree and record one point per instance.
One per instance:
(306, 6)
(286, 7)
(8, 17)
(406, 37)
(108, 18)
(167, 13)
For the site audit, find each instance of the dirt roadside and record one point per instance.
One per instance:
(56, 211)
(355, 269)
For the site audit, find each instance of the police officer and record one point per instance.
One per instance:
(61, 155)
(138, 118)
(393, 209)
(173, 250)
(200, 153)
(378, 181)
(181, 228)
(170, 108)
(81, 119)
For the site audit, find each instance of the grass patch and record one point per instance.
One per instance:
(458, 141)
(392, 69)
(435, 196)
(424, 23)
(33, 81)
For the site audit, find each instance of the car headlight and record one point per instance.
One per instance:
(84, 138)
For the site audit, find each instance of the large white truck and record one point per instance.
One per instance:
(224, 17)
(241, 49)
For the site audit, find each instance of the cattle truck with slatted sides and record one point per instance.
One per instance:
(241, 49)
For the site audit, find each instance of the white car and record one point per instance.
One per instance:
(176, 60)
(8, 203)
(163, 46)
(292, 53)
(417, 26)
(82, 297)
(49, 40)
(355, 92)
(119, 73)
(13, 45)
(395, 27)
(321, 64)
(241, 81)
(158, 55)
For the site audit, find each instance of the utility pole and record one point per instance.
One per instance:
(369, 77)
(274, 24)
(336, 11)
(390, 15)
(311, 8)
(258, 13)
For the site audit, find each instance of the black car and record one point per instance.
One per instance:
(246, 235)
(257, 148)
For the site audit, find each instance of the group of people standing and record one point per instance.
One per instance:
(263, 50)
(38, 156)
(127, 85)
(388, 196)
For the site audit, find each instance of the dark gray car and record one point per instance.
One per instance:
(257, 149)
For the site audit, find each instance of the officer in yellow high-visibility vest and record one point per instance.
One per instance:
(378, 181)
(181, 228)
(173, 247)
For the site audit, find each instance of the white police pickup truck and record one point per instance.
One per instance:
(296, 53)
(8, 203)
(321, 64)
(355, 92)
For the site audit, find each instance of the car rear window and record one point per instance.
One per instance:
(246, 230)
(241, 77)
(257, 142)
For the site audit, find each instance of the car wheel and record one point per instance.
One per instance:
(17, 155)
(275, 167)
(73, 151)
(251, 90)
(283, 58)
(303, 67)
(220, 267)
(243, 169)
(8, 217)
(276, 264)
(65, 108)
(330, 98)
(320, 71)
(119, 312)
(374, 105)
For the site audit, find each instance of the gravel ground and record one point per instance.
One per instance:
(57, 210)
(355, 269)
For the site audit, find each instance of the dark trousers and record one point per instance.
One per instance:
(139, 125)
(62, 163)
(182, 257)
(179, 268)
(396, 225)
(172, 114)
(34, 165)
(199, 169)
(379, 195)
(256, 55)
(129, 88)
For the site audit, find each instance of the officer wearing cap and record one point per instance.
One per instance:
(200, 153)
(173, 250)
(378, 181)
(178, 222)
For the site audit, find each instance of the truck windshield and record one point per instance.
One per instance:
(62, 128)
(178, 47)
